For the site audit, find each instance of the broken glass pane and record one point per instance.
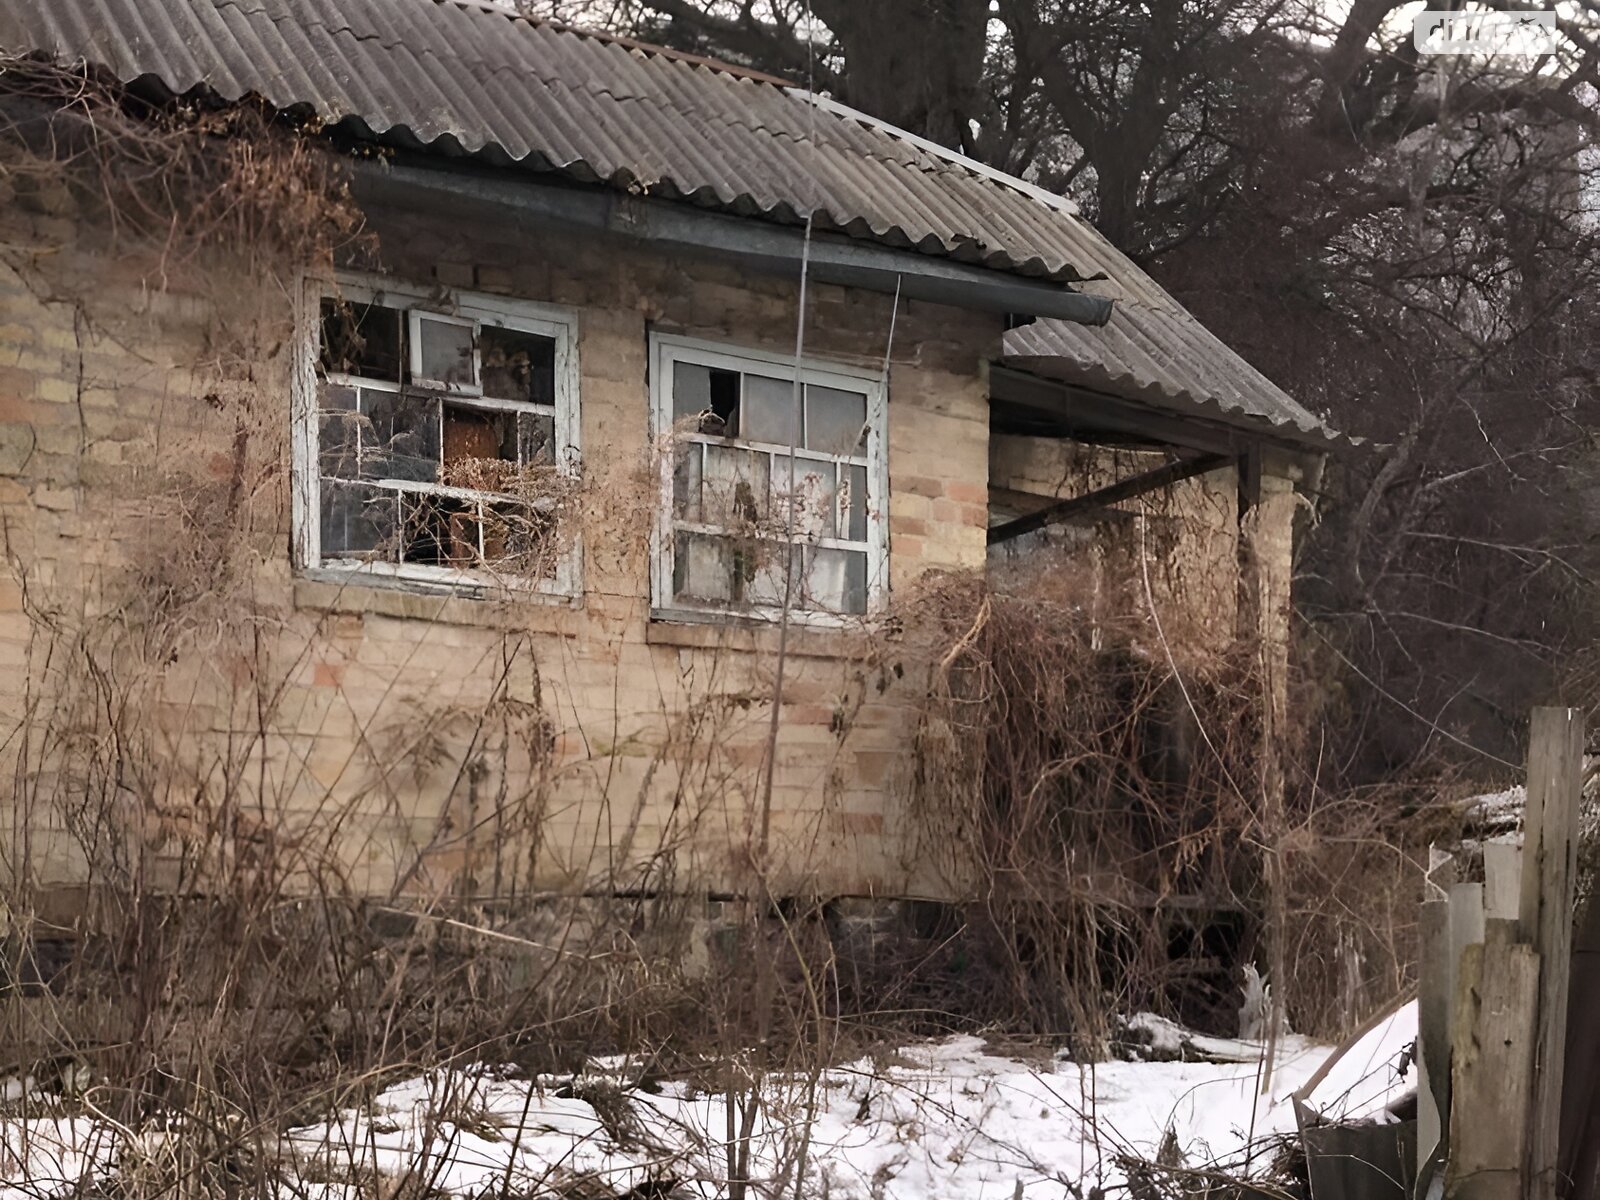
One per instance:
(836, 580)
(479, 433)
(537, 432)
(836, 421)
(703, 568)
(734, 490)
(444, 351)
(439, 531)
(815, 506)
(480, 448)
(769, 410)
(400, 436)
(706, 398)
(358, 521)
(518, 365)
(361, 339)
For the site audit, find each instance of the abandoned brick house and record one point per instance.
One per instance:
(589, 265)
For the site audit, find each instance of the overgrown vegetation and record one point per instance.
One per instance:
(248, 954)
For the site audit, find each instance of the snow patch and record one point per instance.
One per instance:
(943, 1120)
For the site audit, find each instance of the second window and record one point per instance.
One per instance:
(773, 493)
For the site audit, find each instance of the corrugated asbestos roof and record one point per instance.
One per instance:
(458, 76)
(1161, 355)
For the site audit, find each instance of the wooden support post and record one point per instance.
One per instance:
(1491, 1076)
(1265, 538)
(1549, 872)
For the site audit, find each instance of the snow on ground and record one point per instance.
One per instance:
(48, 1156)
(946, 1119)
(1372, 1073)
(949, 1119)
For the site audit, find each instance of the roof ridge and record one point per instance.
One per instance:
(617, 39)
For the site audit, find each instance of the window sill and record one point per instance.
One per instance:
(713, 631)
(332, 591)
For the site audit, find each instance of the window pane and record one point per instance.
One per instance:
(338, 437)
(836, 421)
(519, 540)
(763, 574)
(536, 433)
(703, 568)
(333, 397)
(438, 531)
(837, 580)
(691, 390)
(446, 351)
(686, 468)
(337, 444)
(399, 436)
(357, 521)
(518, 365)
(769, 410)
(361, 339)
(815, 501)
(855, 503)
(734, 490)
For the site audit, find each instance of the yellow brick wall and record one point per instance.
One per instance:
(383, 741)
(279, 724)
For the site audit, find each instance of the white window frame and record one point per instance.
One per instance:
(455, 307)
(666, 350)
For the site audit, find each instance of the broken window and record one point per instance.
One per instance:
(441, 439)
(775, 484)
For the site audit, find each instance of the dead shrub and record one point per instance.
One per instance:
(1100, 789)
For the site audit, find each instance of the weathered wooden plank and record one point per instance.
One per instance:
(1580, 1093)
(1433, 1028)
(1549, 876)
(1493, 1039)
(1466, 922)
(1502, 880)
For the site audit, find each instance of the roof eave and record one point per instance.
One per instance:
(1198, 423)
(755, 244)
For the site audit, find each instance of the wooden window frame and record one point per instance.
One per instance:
(456, 307)
(666, 351)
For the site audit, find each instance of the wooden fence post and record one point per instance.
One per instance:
(1549, 871)
(1493, 1029)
